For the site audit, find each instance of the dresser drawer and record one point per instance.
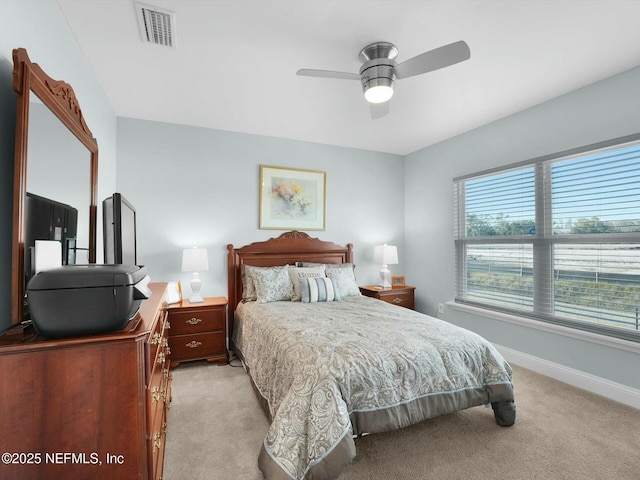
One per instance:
(403, 299)
(155, 446)
(200, 345)
(185, 321)
(156, 346)
(158, 395)
(158, 400)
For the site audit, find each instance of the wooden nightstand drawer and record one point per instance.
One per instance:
(401, 296)
(192, 320)
(197, 346)
(403, 299)
(198, 331)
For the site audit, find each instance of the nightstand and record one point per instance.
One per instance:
(198, 331)
(402, 296)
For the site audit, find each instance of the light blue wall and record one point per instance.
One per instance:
(196, 186)
(604, 110)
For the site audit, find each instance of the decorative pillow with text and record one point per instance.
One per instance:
(301, 272)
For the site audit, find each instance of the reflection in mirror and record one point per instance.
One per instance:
(58, 170)
(56, 159)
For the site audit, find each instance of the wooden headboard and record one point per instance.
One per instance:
(288, 248)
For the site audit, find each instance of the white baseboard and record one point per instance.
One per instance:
(600, 386)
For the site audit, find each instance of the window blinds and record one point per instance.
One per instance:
(556, 238)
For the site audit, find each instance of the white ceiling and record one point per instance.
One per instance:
(235, 64)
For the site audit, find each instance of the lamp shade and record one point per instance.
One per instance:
(195, 260)
(385, 255)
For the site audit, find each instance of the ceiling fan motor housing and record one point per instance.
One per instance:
(378, 68)
(377, 74)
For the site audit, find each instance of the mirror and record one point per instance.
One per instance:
(56, 158)
(64, 180)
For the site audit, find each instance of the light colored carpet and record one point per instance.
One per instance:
(216, 428)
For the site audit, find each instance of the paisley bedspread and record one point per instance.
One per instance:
(332, 370)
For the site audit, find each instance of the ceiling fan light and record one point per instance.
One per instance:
(378, 90)
(378, 94)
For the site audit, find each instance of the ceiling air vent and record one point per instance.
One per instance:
(157, 25)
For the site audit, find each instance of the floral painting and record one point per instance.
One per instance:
(292, 198)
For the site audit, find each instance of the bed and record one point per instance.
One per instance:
(334, 364)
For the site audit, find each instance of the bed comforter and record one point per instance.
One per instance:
(329, 371)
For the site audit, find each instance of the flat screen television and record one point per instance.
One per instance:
(119, 231)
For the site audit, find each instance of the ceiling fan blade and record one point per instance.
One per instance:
(434, 59)
(306, 72)
(378, 110)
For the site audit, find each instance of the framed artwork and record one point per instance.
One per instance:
(397, 281)
(292, 198)
(174, 292)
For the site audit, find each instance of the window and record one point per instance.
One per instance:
(555, 238)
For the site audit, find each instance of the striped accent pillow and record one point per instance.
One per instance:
(318, 289)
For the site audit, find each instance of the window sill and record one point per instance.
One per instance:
(548, 327)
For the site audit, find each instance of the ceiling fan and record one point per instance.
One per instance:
(380, 70)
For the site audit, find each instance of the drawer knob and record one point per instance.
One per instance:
(397, 301)
(193, 344)
(193, 321)
(155, 394)
(157, 441)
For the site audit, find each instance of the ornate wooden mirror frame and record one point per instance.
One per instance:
(60, 98)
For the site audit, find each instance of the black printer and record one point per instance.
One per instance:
(77, 300)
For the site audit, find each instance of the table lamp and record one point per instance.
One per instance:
(385, 255)
(195, 260)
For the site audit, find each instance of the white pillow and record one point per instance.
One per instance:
(303, 272)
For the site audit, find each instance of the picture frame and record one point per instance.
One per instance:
(292, 198)
(397, 281)
(174, 292)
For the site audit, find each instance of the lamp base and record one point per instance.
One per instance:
(385, 277)
(196, 283)
(196, 299)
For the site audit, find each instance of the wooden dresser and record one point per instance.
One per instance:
(88, 407)
(198, 331)
(402, 296)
